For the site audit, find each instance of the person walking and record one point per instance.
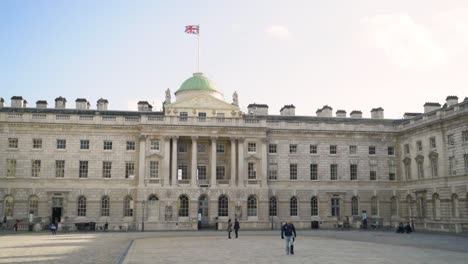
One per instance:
(16, 225)
(229, 228)
(289, 231)
(53, 228)
(236, 227)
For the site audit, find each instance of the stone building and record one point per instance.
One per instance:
(203, 158)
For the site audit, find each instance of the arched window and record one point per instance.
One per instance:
(374, 206)
(183, 206)
(105, 205)
(455, 211)
(252, 206)
(293, 206)
(393, 206)
(33, 205)
(9, 203)
(436, 206)
(354, 206)
(273, 209)
(313, 206)
(128, 206)
(223, 205)
(152, 199)
(81, 209)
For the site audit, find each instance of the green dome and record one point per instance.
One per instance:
(197, 82)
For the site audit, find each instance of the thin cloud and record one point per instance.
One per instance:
(407, 44)
(279, 32)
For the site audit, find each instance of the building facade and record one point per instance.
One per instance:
(202, 160)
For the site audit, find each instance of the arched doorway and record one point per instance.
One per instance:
(153, 208)
(203, 210)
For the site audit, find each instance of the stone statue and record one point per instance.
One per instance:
(235, 99)
(168, 96)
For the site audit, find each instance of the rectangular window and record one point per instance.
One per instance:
(154, 169)
(407, 151)
(201, 117)
(13, 143)
(272, 172)
(333, 172)
(251, 147)
(220, 148)
(371, 150)
(465, 156)
(435, 167)
(201, 169)
(11, 168)
(272, 148)
(129, 169)
(314, 172)
(83, 173)
(432, 142)
(182, 172)
(37, 143)
(107, 145)
(59, 168)
(420, 167)
(201, 148)
(373, 175)
(84, 144)
(220, 172)
(465, 136)
(450, 140)
(251, 171)
(220, 117)
(106, 169)
(292, 148)
(313, 149)
(353, 172)
(391, 176)
(183, 116)
(35, 168)
(61, 144)
(353, 150)
(419, 145)
(452, 171)
(154, 144)
(130, 145)
(391, 150)
(332, 149)
(335, 207)
(105, 207)
(293, 171)
(408, 171)
(182, 148)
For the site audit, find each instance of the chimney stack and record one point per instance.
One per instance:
(60, 103)
(377, 113)
(451, 100)
(2, 102)
(257, 109)
(356, 114)
(102, 104)
(144, 106)
(429, 107)
(326, 111)
(41, 104)
(341, 113)
(17, 101)
(288, 110)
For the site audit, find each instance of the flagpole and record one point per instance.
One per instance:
(198, 70)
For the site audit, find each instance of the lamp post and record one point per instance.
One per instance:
(143, 216)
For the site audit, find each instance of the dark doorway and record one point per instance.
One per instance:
(203, 209)
(56, 214)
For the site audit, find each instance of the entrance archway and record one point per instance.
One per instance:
(203, 210)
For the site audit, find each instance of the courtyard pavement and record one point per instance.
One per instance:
(320, 246)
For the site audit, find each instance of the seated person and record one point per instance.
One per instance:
(408, 228)
(400, 228)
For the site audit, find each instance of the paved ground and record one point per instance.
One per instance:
(322, 246)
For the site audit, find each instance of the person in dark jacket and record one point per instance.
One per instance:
(229, 228)
(236, 227)
(289, 231)
(408, 228)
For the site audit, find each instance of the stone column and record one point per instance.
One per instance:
(233, 162)
(142, 161)
(213, 162)
(241, 162)
(167, 161)
(264, 163)
(174, 161)
(193, 182)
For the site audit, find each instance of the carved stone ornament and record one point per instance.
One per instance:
(168, 96)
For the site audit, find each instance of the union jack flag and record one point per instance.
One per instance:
(192, 29)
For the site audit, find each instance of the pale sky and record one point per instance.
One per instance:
(350, 55)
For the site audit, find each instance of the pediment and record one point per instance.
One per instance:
(154, 155)
(203, 101)
(252, 157)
